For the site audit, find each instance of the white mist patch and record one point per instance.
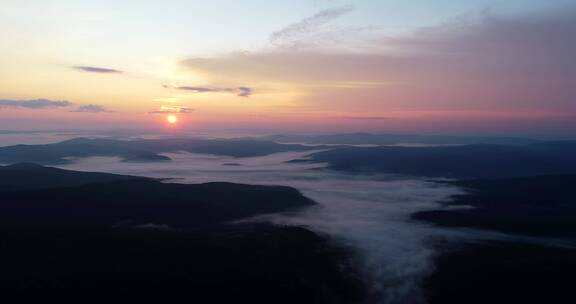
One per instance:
(370, 213)
(373, 216)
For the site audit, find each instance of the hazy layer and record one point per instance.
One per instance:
(370, 213)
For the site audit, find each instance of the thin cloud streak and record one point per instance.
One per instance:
(91, 69)
(239, 91)
(92, 108)
(300, 29)
(34, 103)
(365, 117)
(172, 110)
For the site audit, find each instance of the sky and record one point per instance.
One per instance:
(423, 66)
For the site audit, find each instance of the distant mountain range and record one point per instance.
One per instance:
(467, 161)
(395, 139)
(139, 150)
(456, 161)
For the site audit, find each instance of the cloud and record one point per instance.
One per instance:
(172, 110)
(365, 117)
(92, 69)
(486, 63)
(47, 104)
(300, 29)
(34, 103)
(244, 91)
(239, 91)
(92, 108)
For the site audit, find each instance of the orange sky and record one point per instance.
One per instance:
(318, 69)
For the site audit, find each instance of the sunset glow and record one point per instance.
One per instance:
(363, 66)
(288, 151)
(172, 119)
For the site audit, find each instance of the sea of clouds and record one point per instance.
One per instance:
(368, 213)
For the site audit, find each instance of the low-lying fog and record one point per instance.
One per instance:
(370, 213)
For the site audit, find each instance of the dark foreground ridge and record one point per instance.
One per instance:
(245, 263)
(503, 273)
(469, 161)
(535, 206)
(137, 239)
(22, 176)
(139, 150)
(109, 199)
(508, 271)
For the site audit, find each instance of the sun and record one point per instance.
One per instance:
(172, 119)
